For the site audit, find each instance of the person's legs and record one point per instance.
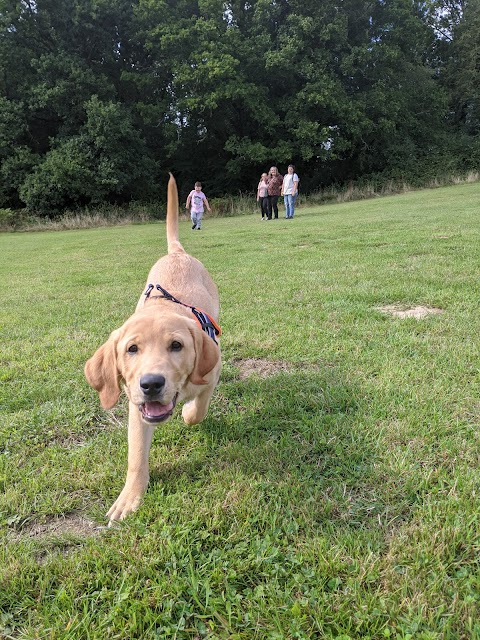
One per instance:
(294, 199)
(274, 206)
(288, 200)
(267, 214)
(260, 204)
(199, 220)
(269, 206)
(193, 216)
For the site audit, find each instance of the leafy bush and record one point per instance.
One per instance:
(106, 162)
(7, 218)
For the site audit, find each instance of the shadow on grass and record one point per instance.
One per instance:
(296, 441)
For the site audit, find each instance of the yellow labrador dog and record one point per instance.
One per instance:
(166, 352)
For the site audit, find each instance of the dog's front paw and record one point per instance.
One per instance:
(194, 412)
(127, 502)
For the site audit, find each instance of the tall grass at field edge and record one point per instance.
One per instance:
(228, 206)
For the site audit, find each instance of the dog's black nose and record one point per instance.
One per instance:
(152, 384)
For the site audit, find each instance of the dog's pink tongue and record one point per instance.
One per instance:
(155, 409)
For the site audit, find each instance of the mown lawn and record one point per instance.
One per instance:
(332, 491)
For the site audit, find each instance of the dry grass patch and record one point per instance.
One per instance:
(418, 312)
(264, 368)
(71, 525)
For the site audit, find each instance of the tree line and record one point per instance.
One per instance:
(99, 99)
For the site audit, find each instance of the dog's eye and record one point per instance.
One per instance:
(132, 348)
(176, 346)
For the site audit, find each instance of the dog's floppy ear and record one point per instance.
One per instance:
(207, 354)
(102, 373)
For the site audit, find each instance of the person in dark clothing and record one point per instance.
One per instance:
(275, 182)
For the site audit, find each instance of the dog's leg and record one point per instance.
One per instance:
(139, 441)
(195, 411)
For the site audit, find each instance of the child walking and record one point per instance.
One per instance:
(197, 198)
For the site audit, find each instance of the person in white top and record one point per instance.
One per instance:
(197, 199)
(290, 191)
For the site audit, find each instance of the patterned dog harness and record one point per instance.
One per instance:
(206, 322)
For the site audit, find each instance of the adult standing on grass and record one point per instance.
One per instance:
(262, 196)
(275, 181)
(197, 198)
(290, 191)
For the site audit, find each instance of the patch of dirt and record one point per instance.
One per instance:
(417, 312)
(73, 524)
(263, 368)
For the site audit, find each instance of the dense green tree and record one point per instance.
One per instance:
(466, 83)
(106, 160)
(402, 105)
(99, 99)
(73, 57)
(456, 24)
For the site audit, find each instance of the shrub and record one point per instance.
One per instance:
(106, 162)
(7, 219)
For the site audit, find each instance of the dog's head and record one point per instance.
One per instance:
(156, 357)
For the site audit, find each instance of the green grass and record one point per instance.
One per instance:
(335, 497)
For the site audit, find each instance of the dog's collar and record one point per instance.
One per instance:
(206, 322)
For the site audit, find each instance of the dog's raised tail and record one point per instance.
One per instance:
(173, 242)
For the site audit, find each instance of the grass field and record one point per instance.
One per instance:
(332, 491)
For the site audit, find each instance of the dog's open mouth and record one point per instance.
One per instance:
(156, 411)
